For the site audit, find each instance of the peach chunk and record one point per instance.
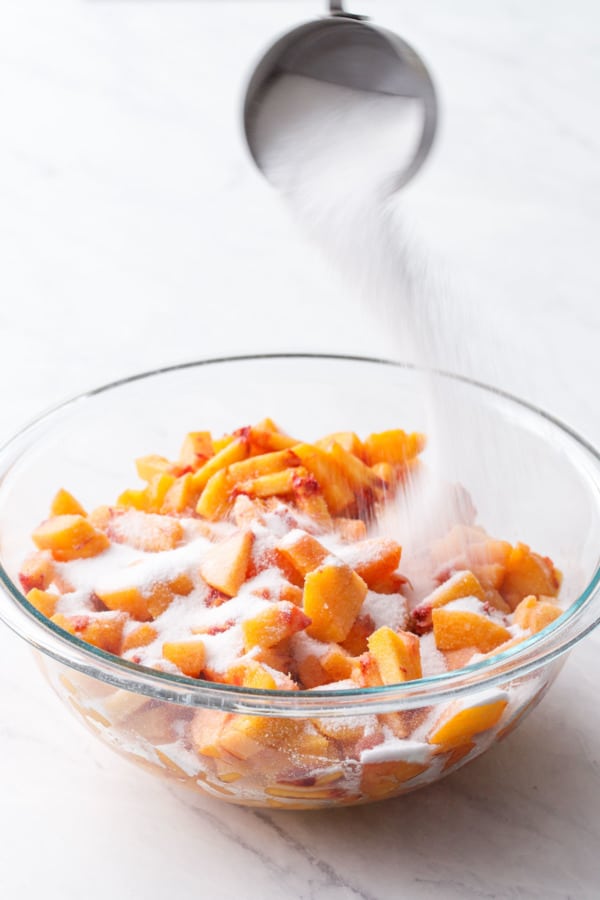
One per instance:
(382, 779)
(459, 724)
(395, 446)
(70, 537)
(331, 477)
(129, 600)
(333, 596)
(181, 496)
(265, 464)
(533, 615)
(360, 477)
(274, 484)
(457, 628)
(188, 655)
(266, 437)
(275, 623)
(145, 531)
(225, 565)
(65, 504)
(303, 551)
(215, 499)
(350, 530)
(149, 466)
(139, 637)
(44, 601)
(461, 584)
(103, 630)
(355, 641)
(347, 440)
(37, 571)
(373, 559)
(157, 490)
(309, 499)
(397, 654)
(528, 573)
(196, 449)
(231, 453)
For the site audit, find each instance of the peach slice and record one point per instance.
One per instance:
(347, 440)
(461, 584)
(103, 630)
(395, 446)
(196, 449)
(360, 477)
(459, 724)
(265, 464)
(350, 530)
(303, 551)
(139, 637)
(275, 623)
(181, 496)
(145, 531)
(374, 559)
(70, 537)
(149, 466)
(128, 600)
(37, 571)
(266, 437)
(331, 477)
(382, 779)
(159, 486)
(458, 628)
(215, 499)
(133, 499)
(65, 504)
(355, 641)
(225, 564)
(44, 601)
(188, 655)
(205, 731)
(229, 454)
(533, 615)
(309, 499)
(397, 654)
(528, 573)
(333, 596)
(275, 484)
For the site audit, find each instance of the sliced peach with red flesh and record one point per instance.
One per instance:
(216, 497)
(459, 585)
(37, 571)
(44, 601)
(331, 478)
(188, 655)
(397, 654)
(149, 466)
(70, 537)
(374, 559)
(333, 596)
(311, 673)
(196, 449)
(231, 453)
(382, 779)
(224, 566)
(528, 573)
(534, 615)
(395, 446)
(457, 628)
(459, 724)
(65, 504)
(302, 551)
(273, 624)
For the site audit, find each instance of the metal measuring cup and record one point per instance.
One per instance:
(347, 50)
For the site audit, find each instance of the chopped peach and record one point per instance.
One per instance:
(215, 499)
(224, 566)
(347, 440)
(528, 573)
(533, 615)
(70, 537)
(355, 641)
(189, 656)
(309, 498)
(133, 499)
(397, 654)
(44, 601)
(275, 484)
(382, 779)
(103, 630)
(333, 596)
(331, 478)
(163, 593)
(458, 628)
(65, 504)
(302, 551)
(244, 511)
(461, 584)
(149, 466)
(360, 477)
(159, 486)
(459, 724)
(146, 531)
(196, 449)
(275, 623)
(456, 755)
(265, 437)
(231, 453)
(37, 571)
(394, 583)
(265, 464)
(458, 659)
(374, 559)
(205, 731)
(139, 637)
(129, 600)
(394, 446)
(350, 529)
(180, 496)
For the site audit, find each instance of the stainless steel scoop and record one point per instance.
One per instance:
(346, 50)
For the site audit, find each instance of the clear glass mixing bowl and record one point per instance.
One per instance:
(530, 478)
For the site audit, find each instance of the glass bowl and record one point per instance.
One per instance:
(530, 478)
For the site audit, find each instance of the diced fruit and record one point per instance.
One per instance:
(265, 437)
(333, 596)
(397, 654)
(37, 571)
(70, 537)
(157, 490)
(189, 656)
(457, 628)
(458, 659)
(133, 499)
(163, 593)
(231, 453)
(331, 478)
(303, 551)
(65, 504)
(103, 630)
(224, 566)
(456, 755)
(139, 637)
(265, 464)
(533, 615)
(196, 449)
(181, 496)
(347, 440)
(528, 573)
(374, 559)
(276, 484)
(215, 499)
(461, 584)
(129, 600)
(355, 641)
(44, 601)
(350, 529)
(382, 779)
(360, 477)
(309, 498)
(394, 446)
(458, 725)
(145, 531)
(149, 466)
(275, 623)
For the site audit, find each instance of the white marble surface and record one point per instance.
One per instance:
(134, 232)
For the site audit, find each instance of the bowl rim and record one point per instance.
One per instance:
(492, 672)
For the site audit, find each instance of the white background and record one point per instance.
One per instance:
(135, 232)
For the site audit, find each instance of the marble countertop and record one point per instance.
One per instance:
(132, 225)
